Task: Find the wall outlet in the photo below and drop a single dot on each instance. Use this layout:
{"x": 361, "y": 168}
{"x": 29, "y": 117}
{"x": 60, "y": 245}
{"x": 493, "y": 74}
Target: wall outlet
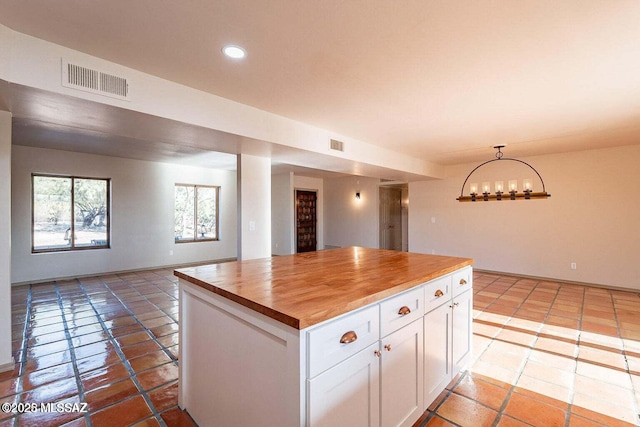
{"x": 574, "y": 266}
{"x": 170, "y": 253}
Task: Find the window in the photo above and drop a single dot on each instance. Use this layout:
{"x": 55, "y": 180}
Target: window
{"x": 196, "y": 213}
{"x": 69, "y": 213}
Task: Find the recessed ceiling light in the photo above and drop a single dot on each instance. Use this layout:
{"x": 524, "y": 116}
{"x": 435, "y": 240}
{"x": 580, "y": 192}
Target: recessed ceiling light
{"x": 235, "y": 52}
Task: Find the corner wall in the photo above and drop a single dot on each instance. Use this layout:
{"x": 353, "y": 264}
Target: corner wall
{"x": 282, "y": 222}
{"x": 6, "y": 360}
{"x": 591, "y": 219}
{"x": 142, "y": 215}
{"x": 254, "y": 207}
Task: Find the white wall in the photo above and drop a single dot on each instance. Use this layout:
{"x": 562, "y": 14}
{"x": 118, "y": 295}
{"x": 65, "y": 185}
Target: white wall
{"x": 254, "y": 207}
{"x": 282, "y": 214}
{"x": 6, "y": 361}
{"x": 347, "y": 221}
{"x": 591, "y": 218}
{"x": 142, "y": 215}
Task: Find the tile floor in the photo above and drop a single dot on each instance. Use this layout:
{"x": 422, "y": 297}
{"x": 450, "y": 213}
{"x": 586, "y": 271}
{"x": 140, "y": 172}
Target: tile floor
{"x": 110, "y": 342}
{"x": 545, "y": 354}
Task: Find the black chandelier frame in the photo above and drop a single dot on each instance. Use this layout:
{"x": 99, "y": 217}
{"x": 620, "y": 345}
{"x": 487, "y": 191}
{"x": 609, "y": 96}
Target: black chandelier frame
{"x": 511, "y": 195}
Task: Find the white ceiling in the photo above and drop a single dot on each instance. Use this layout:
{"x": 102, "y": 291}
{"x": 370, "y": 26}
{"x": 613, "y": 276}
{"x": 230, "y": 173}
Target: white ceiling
{"x": 440, "y": 80}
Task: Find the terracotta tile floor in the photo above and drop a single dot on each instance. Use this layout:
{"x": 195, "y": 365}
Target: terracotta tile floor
{"x": 110, "y": 342}
{"x": 545, "y": 354}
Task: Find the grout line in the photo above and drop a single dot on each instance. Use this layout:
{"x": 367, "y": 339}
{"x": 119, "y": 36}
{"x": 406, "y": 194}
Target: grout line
{"x": 125, "y": 360}
{"x": 636, "y": 404}
{"x": 544, "y": 322}
{"x": 23, "y": 355}
{"x": 173, "y": 358}
{"x": 511, "y": 390}
{"x": 572, "y": 390}
{"x": 72, "y": 353}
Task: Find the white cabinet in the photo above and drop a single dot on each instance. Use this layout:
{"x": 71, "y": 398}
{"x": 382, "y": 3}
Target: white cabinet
{"x": 378, "y": 366}
{"x": 401, "y": 376}
{"x": 347, "y": 394}
{"x": 447, "y": 340}
{"x": 437, "y": 369}
{"x": 461, "y": 331}
{"x": 380, "y": 385}
{"x": 337, "y": 340}
{"x": 401, "y": 310}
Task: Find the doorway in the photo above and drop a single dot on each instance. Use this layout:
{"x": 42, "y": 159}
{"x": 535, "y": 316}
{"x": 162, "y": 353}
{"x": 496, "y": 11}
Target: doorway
{"x": 392, "y": 219}
{"x": 306, "y": 214}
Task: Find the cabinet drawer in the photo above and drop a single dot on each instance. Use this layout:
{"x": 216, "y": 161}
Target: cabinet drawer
{"x": 462, "y": 280}
{"x": 401, "y": 310}
{"x": 437, "y": 292}
{"x": 357, "y": 330}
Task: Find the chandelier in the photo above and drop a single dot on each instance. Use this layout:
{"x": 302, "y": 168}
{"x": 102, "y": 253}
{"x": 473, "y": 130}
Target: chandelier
{"x": 499, "y": 189}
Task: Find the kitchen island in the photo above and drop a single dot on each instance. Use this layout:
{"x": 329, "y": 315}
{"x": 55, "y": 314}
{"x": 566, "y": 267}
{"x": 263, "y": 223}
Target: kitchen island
{"x": 334, "y": 337}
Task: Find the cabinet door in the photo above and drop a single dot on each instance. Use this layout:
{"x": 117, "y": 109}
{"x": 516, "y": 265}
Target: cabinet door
{"x": 461, "y": 331}
{"x": 402, "y": 376}
{"x": 437, "y": 365}
{"x": 348, "y": 394}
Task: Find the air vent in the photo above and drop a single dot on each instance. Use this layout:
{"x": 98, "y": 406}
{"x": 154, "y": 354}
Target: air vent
{"x": 94, "y": 81}
{"x": 337, "y": 145}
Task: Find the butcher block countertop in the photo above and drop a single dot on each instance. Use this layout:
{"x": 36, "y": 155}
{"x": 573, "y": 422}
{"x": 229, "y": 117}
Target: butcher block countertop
{"x": 304, "y": 289}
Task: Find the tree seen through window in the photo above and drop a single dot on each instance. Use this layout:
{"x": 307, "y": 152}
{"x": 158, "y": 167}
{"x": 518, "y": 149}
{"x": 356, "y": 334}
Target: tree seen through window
{"x": 196, "y": 213}
{"x": 69, "y": 213}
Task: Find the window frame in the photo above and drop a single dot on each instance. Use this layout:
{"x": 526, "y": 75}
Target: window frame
{"x": 72, "y": 247}
{"x": 194, "y": 239}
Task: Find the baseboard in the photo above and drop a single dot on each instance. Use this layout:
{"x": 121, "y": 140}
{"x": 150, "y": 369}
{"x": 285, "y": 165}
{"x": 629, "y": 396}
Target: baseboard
{"x": 8, "y": 366}
{"x": 106, "y": 273}
{"x": 551, "y": 279}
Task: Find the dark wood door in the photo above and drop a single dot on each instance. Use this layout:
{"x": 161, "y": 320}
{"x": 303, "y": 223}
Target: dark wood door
{"x": 306, "y": 205}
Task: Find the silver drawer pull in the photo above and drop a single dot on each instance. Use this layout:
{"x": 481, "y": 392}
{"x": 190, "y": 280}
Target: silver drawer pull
{"x": 463, "y": 282}
{"x": 404, "y": 310}
{"x": 438, "y": 293}
{"x": 348, "y": 337}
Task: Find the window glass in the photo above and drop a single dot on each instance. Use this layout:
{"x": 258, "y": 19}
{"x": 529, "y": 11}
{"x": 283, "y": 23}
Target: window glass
{"x": 69, "y": 213}
{"x": 90, "y": 212}
{"x": 185, "y": 209}
{"x": 207, "y": 212}
{"x": 51, "y": 212}
{"x": 196, "y": 213}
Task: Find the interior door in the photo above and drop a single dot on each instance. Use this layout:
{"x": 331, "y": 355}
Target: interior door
{"x": 391, "y": 218}
{"x": 306, "y": 214}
